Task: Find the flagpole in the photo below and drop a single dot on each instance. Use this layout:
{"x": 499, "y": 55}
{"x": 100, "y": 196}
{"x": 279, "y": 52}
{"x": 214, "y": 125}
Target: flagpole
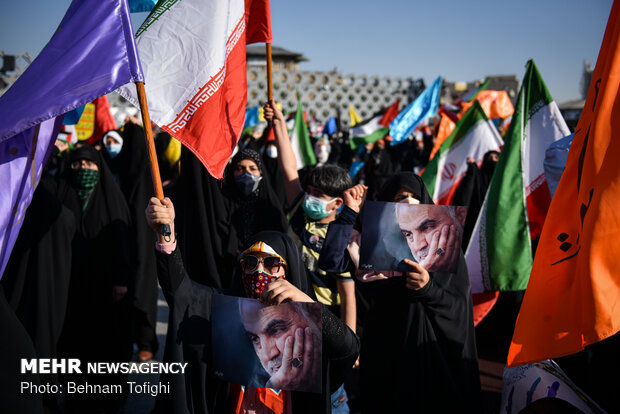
{"x": 150, "y": 145}
{"x": 269, "y": 73}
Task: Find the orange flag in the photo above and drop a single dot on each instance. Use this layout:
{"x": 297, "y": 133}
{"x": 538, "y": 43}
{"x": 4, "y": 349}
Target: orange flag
{"x": 496, "y": 104}
{"x": 445, "y": 128}
{"x": 573, "y": 296}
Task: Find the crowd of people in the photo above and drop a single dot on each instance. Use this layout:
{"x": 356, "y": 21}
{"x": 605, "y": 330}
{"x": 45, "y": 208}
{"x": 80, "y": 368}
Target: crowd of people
{"x": 83, "y": 276}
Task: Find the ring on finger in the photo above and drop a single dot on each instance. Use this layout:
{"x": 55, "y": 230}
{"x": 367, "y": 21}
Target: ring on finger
{"x": 297, "y": 362}
{"x": 440, "y": 252}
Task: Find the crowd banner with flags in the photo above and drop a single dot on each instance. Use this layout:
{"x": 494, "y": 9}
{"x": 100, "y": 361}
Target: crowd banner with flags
{"x": 444, "y": 130}
{"x": 251, "y": 117}
{"x": 104, "y": 121}
{"x": 91, "y": 54}
{"x": 473, "y": 136}
{"x": 193, "y": 53}
{"x": 354, "y": 118}
{"x": 572, "y": 298}
{"x": 424, "y": 106}
{"x": 499, "y": 255}
{"x": 496, "y": 104}
{"x": 300, "y": 140}
{"x": 375, "y": 128}
{"x": 331, "y": 126}
{"x": 140, "y": 6}
{"x": 471, "y": 95}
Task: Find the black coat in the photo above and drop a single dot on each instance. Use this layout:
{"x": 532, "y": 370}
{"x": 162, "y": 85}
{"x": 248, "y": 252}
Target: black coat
{"x": 189, "y": 336}
{"x": 418, "y": 349}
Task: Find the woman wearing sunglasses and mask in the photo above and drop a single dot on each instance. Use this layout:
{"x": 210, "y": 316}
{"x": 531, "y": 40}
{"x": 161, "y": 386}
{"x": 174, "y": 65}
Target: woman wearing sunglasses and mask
{"x": 270, "y": 269}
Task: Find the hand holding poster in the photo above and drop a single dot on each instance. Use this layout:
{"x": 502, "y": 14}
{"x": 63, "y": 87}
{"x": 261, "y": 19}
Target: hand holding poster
{"x": 267, "y": 346}
{"x": 428, "y": 234}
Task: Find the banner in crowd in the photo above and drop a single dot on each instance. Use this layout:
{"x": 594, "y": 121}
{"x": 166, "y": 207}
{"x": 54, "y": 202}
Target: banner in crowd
{"x": 544, "y": 385}
{"x": 571, "y": 300}
{"x": 300, "y": 139}
{"x": 427, "y": 234}
{"x": 90, "y": 54}
{"x": 250, "y": 343}
{"x": 473, "y": 136}
{"x": 193, "y": 54}
{"x": 499, "y": 255}
{"x": 424, "y": 106}
{"x": 375, "y": 128}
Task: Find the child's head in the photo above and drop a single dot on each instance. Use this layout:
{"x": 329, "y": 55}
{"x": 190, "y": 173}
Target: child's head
{"x": 329, "y": 179}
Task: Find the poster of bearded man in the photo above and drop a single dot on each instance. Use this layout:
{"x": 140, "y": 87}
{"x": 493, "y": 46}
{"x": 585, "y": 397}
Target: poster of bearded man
{"x": 428, "y": 234}
{"x": 267, "y": 346}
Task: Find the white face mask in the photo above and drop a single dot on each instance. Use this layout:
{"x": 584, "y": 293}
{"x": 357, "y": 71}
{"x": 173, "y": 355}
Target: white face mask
{"x": 322, "y": 153}
{"x": 272, "y": 151}
{"x": 409, "y": 200}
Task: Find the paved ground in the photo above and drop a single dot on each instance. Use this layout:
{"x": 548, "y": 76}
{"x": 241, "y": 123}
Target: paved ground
{"x": 141, "y": 403}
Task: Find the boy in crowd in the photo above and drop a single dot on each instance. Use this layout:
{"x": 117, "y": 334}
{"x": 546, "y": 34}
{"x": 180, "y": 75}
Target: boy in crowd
{"x": 310, "y": 213}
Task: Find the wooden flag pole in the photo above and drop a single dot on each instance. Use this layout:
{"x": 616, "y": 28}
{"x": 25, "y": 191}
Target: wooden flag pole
{"x": 150, "y": 143}
{"x": 269, "y": 73}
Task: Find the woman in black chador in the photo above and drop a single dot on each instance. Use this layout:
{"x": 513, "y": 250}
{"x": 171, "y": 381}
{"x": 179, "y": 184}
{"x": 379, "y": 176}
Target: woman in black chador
{"x": 98, "y": 323}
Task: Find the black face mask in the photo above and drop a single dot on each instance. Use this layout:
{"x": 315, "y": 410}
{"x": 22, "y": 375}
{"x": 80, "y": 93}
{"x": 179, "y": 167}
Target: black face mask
{"x": 247, "y": 183}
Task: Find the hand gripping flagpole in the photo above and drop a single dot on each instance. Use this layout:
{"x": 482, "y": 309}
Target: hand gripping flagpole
{"x": 150, "y": 144}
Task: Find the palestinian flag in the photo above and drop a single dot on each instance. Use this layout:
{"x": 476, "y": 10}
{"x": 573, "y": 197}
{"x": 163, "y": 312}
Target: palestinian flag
{"x": 193, "y": 55}
{"x": 499, "y": 255}
{"x": 473, "y": 136}
{"x": 375, "y": 128}
{"x": 300, "y": 140}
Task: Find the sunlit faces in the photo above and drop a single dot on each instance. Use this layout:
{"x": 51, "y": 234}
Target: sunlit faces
{"x": 269, "y": 327}
{"x": 111, "y": 140}
{"x": 263, "y": 262}
{"x": 332, "y": 202}
{"x": 247, "y": 165}
{"x": 84, "y": 164}
{"x": 403, "y": 195}
{"x": 420, "y": 224}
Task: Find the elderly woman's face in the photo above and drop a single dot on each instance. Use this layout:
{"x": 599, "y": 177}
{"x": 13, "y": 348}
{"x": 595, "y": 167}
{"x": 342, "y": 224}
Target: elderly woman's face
{"x": 247, "y": 165}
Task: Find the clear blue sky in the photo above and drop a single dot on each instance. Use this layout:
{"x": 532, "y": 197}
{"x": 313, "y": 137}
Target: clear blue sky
{"x": 456, "y": 39}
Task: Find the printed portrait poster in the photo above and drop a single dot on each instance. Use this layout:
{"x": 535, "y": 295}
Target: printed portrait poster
{"x": 425, "y": 233}
{"x": 545, "y": 386}
{"x": 267, "y": 346}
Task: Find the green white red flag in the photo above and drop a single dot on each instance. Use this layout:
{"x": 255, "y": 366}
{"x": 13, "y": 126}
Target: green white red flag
{"x": 499, "y": 255}
{"x": 300, "y": 140}
{"x": 473, "y": 136}
{"x": 193, "y": 55}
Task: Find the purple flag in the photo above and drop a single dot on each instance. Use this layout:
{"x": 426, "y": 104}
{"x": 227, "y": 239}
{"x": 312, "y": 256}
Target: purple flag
{"x": 92, "y": 53}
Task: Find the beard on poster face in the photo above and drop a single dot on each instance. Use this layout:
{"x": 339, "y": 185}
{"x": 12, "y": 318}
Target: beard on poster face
{"x": 269, "y": 327}
{"x": 420, "y": 224}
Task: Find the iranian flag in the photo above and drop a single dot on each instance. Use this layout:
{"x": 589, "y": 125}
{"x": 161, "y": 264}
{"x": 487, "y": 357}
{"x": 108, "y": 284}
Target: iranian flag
{"x": 300, "y": 140}
{"x": 473, "y": 136}
{"x": 193, "y": 55}
{"x": 499, "y": 255}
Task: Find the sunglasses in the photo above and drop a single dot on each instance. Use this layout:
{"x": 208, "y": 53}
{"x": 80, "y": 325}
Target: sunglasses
{"x": 271, "y": 264}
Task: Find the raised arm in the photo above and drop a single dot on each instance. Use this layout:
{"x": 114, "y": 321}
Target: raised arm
{"x": 286, "y": 156}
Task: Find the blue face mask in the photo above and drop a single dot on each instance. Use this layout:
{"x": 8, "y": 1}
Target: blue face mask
{"x": 113, "y": 149}
{"x": 247, "y": 183}
{"x": 315, "y": 208}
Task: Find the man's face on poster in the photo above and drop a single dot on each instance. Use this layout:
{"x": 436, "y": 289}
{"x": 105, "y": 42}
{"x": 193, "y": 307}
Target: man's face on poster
{"x": 269, "y": 327}
{"x": 433, "y": 233}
